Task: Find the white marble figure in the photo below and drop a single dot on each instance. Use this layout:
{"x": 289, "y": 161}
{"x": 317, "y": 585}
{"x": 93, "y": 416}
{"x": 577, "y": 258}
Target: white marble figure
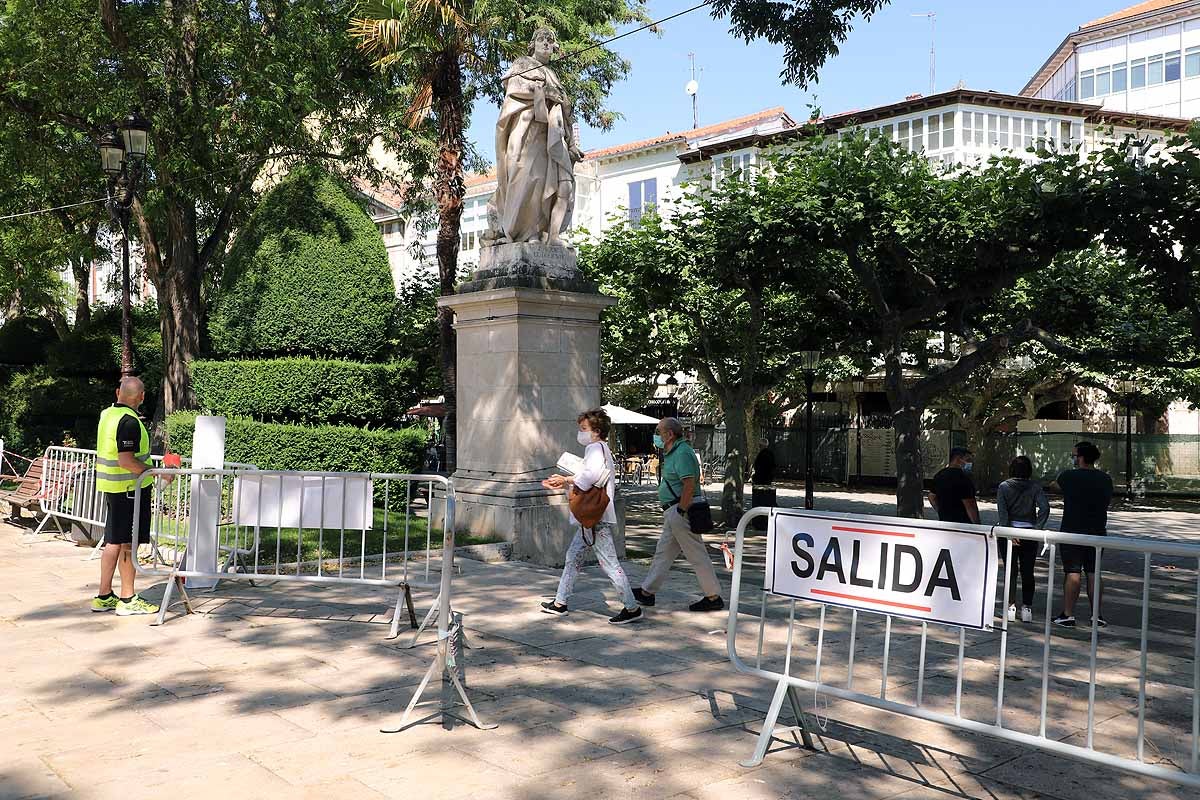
{"x": 535, "y": 151}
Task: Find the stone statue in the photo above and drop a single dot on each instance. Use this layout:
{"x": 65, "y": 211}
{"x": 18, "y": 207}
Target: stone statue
{"x": 535, "y": 152}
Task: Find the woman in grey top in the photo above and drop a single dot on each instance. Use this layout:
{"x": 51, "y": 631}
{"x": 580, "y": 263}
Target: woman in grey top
{"x": 1021, "y": 503}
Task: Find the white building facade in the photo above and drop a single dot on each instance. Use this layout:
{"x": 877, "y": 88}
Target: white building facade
{"x": 1145, "y": 59}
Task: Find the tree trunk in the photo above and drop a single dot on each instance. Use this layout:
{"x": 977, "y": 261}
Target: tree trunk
{"x": 82, "y": 271}
{"x": 177, "y": 274}
{"x": 906, "y": 421}
{"x": 449, "y": 189}
{"x": 735, "y": 408}
{"x": 989, "y": 469}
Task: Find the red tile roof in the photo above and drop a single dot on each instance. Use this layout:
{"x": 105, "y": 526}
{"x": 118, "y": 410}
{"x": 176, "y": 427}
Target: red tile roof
{"x": 1133, "y": 11}
{"x": 390, "y": 194}
{"x": 684, "y": 136}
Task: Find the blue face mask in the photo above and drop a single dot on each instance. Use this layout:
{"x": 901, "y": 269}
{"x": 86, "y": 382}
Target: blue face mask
{"x": 967, "y": 467}
{"x": 658, "y": 442}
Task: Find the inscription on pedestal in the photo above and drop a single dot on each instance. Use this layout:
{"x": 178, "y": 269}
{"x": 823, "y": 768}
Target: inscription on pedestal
{"x": 527, "y": 265}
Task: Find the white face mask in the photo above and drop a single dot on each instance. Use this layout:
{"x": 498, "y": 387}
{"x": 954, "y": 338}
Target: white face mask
{"x": 584, "y": 437}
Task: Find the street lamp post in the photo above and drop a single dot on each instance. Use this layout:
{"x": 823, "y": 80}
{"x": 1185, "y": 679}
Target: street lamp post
{"x": 860, "y": 386}
{"x": 809, "y": 360}
{"x": 123, "y": 156}
{"x": 1128, "y": 388}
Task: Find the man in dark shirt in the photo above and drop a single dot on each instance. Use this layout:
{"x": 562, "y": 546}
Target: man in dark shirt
{"x": 1086, "y": 494}
{"x": 764, "y": 465}
{"x": 953, "y": 494}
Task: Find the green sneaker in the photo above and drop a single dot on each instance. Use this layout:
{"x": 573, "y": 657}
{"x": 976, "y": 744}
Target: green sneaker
{"x": 104, "y": 603}
{"x": 136, "y": 605}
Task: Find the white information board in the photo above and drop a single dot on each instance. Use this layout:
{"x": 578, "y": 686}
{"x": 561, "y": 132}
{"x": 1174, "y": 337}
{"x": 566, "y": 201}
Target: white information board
{"x": 303, "y": 501}
{"x": 943, "y": 574}
{"x": 208, "y": 452}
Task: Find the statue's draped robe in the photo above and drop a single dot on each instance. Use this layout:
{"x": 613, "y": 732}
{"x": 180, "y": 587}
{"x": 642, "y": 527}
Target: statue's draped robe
{"x": 532, "y": 155}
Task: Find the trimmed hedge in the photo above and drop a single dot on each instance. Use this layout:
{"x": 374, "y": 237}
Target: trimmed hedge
{"x": 324, "y": 448}
{"x": 41, "y": 408}
{"x": 25, "y": 340}
{"x": 308, "y": 275}
{"x": 307, "y": 390}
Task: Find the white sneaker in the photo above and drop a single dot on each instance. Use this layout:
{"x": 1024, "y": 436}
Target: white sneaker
{"x": 1026, "y": 614}
{"x": 1012, "y": 613}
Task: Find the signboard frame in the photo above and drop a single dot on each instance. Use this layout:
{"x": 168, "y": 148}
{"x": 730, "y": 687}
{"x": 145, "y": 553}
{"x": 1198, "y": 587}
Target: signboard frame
{"x": 977, "y": 542}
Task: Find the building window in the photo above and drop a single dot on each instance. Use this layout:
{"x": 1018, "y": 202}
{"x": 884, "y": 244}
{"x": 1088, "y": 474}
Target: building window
{"x": 1172, "y": 66}
{"x": 948, "y": 129}
{"x": 1003, "y": 139}
{"x": 1103, "y": 81}
{"x": 1154, "y": 70}
{"x": 1137, "y": 73}
{"x": 933, "y": 126}
{"x": 643, "y": 195}
{"x": 467, "y": 241}
{"x": 734, "y": 166}
{"x": 1118, "y": 78}
{"x": 902, "y": 135}
{"x": 1087, "y": 84}
{"x": 1191, "y": 62}
{"x": 918, "y": 135}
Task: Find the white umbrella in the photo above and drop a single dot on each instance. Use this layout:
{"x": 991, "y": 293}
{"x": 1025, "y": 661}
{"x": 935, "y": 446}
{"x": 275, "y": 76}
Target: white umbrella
{"x": 623, "y": 416}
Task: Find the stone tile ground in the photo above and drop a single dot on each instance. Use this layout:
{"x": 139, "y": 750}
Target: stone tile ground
{"x": 281, "y": 692}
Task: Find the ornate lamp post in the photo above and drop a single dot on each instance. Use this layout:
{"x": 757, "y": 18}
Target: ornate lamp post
{"x": 860, "y": 386}
{"x": 1129, "y": 389}
{"x": 809, "y": 359}
{"x": 123, "y": 158}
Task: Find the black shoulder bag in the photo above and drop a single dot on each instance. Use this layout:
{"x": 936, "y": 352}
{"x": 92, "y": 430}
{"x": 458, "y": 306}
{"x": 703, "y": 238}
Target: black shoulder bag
{"x": 699, "y": 515}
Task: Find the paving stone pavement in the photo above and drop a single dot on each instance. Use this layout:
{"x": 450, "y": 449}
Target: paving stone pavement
{"x": 281, "y": 692}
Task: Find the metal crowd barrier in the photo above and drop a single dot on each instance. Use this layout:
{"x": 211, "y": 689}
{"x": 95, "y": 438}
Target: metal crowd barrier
{"x": 345, "y": 528}
{"x": 829, "y": 637}
{"x": 69, "y": 488}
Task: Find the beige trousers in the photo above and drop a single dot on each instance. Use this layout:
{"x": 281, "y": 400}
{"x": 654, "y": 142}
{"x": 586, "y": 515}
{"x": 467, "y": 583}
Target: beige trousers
{"x": 676, "y": 538}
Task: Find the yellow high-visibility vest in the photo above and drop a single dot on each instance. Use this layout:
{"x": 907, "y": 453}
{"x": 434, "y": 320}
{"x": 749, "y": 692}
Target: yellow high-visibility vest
{"x": 110, "y": 476}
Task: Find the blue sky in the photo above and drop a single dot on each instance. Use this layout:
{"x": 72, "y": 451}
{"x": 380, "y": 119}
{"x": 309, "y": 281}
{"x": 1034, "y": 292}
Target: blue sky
{"x": 989, "y": 44}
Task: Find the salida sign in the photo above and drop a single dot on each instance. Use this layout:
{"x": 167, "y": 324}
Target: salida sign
{"x": 936, "y": 574}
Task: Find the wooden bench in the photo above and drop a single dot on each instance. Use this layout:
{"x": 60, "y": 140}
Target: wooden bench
{"x": 29, "y": 493}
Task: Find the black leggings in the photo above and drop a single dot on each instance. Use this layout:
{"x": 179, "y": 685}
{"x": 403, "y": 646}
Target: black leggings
{"x": 1025, "y": 553}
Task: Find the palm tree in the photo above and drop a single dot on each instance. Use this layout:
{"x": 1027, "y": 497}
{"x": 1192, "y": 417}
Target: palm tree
{"x": 437, "y": 42}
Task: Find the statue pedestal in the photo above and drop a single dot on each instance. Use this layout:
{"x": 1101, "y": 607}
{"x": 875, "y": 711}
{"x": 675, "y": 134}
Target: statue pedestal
{"x": 528, "y": 364}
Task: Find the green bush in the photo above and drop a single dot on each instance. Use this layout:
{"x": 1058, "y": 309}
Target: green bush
{"x": 323, "y": 448}
{"x": 307, "y": 390}
{"x": 25, "y": 340}
{"x": 42, "y": 408}
{"x": 308, "y": 275}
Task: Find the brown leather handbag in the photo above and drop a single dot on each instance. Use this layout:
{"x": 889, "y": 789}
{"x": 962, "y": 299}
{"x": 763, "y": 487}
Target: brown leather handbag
{"x": 588, "y": 506}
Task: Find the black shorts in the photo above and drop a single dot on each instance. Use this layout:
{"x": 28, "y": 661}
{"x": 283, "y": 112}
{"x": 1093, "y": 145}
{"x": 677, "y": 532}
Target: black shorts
{"x": 118, "y": 528}
{"x": 1078, "y": 558}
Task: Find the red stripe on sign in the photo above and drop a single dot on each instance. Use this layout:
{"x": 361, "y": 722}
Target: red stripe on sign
{"x": 870, "y": 600}
{"x": 877, "y": 533}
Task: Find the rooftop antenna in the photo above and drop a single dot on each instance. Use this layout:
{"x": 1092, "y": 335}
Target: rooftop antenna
{"x": 693, "y": 89}
{"x": 932, "y": 17}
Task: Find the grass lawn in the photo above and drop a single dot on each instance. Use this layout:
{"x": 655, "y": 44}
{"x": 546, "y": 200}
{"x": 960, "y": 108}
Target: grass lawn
{"x": 279, "y": 545}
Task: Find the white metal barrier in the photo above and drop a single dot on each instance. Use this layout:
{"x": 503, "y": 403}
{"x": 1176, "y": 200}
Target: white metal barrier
{"x": 343, "y": 528}
{"x": 932, "y": 634}
{"x": 68, "y": 490}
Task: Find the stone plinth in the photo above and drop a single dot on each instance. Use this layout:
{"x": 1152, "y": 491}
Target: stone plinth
{"x": 527, "y": 265}
{"x": 528, "y": 364}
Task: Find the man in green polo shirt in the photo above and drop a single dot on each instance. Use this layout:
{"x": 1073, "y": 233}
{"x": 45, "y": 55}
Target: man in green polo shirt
{"x": 680, "y": 478}
{"x": 122, "y": 455}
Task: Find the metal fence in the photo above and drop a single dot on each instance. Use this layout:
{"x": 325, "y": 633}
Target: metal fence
{"x": 347, "y": 528}
{"x": 1161, "y": 462}
{"x": 824, "y": 641}
{"x": 68, "y": 490}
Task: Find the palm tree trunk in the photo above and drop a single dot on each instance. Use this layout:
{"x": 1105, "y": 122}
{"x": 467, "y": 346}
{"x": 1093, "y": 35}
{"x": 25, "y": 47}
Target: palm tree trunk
{"x": 449, "y": 189}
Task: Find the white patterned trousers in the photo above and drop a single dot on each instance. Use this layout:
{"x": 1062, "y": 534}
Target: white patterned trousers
{"x": 606, "y": 554}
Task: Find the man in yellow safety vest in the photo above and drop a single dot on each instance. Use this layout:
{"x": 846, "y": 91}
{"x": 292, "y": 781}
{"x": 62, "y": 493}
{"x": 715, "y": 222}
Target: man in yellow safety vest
{"x": 122, "y": 455}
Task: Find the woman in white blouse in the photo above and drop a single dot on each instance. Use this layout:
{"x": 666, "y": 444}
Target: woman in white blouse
{"x": 598, "y": 466}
